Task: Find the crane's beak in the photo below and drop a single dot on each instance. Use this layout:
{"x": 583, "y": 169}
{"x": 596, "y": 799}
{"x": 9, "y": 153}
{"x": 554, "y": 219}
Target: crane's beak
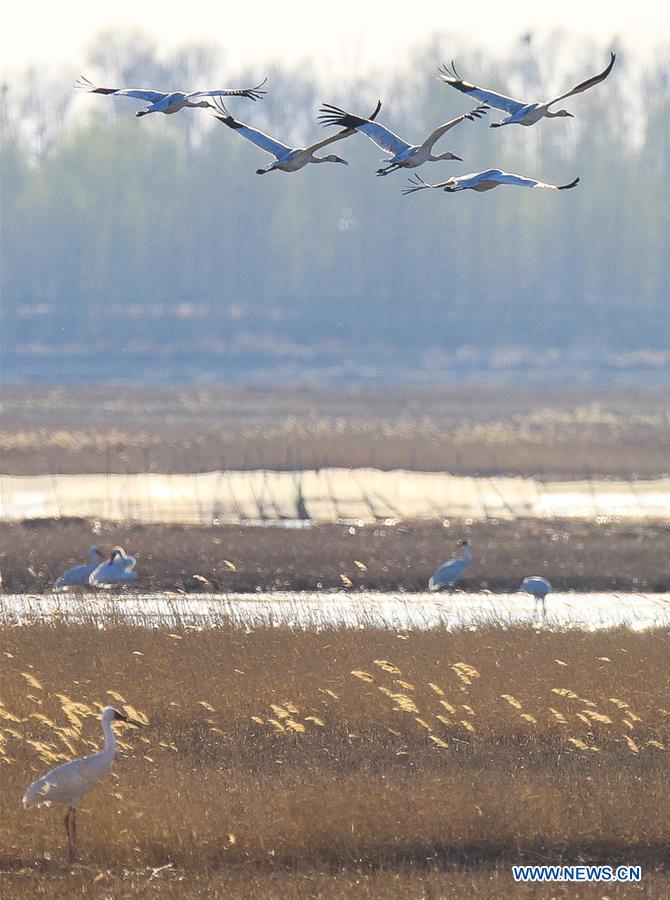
{"x": 125, "y": 718}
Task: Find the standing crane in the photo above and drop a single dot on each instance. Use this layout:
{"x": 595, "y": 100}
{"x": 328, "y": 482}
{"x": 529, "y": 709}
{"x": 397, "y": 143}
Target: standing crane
{"x": 78, "y": 576}
{"x": 446, "y": 575}
{"x": 71, "y": 781}
{"x": 118, "y": 569}
{"x": 539, "y": 587}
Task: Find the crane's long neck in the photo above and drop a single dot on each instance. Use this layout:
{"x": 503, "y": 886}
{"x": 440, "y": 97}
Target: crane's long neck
{"x": 467, "y": 554}
{"x": 109, "y": 749}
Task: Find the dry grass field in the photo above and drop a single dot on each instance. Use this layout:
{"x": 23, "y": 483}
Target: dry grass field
{"x": 556, "y": 433}
{"x": 573, "y": 554}
{"x": 357, "y": 764}
{"x": 280, "y": 764}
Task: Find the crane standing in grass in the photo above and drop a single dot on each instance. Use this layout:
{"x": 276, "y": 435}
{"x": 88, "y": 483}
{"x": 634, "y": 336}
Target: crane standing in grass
{"x": 446, "y": 575}
{"x": 78, "y": 576}
{"x": 539, "y": 587}
{"x": 71, "y": 781}
{"x": 118, "y": 569}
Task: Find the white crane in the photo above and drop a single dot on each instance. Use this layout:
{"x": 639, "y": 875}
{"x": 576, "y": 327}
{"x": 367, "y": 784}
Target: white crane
{"x": 78, "y": 575}
{"x": 446, "y": 575}
{"x": 118, "y": 569}
{"x": 405, "y": 155}
{"x": 520, "y": 113}
{"x": 539, "y": 587}
{"x": 172, "y": 102}
{"x": 483, "y": 181}
{"x": 71, "y": 781}
{"x": 287, "y": 159}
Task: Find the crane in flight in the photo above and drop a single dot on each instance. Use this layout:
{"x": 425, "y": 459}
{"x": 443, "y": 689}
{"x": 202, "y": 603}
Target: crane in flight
{"x": 520, "y": 112}
{"x": 483, "y": 181}
{"x": 404, "y": 155}
{"x": 286, "y": 159}
{"x": 170, "y": 103}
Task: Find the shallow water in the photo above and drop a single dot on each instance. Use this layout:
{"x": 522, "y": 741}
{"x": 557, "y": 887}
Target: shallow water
{"x": 313, "y": 610}
{"x": 326, "y": 495}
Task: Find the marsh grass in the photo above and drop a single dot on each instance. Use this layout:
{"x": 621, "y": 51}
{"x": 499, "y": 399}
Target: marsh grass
{"x": 339, "y": 763}
{"x": 573, "y": 554}
{"x": 465, "y": 430}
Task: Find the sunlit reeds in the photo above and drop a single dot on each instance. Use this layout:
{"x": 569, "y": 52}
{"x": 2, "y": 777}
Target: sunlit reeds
{"x": 278, "y": 751}
{"x": 562, "y": 433}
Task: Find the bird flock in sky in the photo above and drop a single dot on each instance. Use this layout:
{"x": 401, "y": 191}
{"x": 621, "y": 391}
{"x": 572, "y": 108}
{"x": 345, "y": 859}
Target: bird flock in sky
{"x": 403, "y": 155}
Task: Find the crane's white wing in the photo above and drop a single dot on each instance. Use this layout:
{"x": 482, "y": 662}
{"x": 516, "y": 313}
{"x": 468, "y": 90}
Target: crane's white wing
{"x": 137, "y": 94}
{"x": 475, "y": 113}
{"x": 84, "y": 84}
{"x": 378, "y": 134}
{"x": 259, "y": 138}
{"x": 535, "y": 584}
{"x": 75, "y": 575}
{"x": 521, "y": 180}
{"x": 484, "y": 95}
{"x": 254, "y": 93}
{"x": 67, "y": 783}
{"x": 447, "y": 573}
{"x": 331, "y": 140}
{"x": 590, "y": 82}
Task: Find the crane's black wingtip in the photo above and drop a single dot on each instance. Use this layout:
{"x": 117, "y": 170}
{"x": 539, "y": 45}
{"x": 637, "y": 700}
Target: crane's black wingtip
{"x": 566, "y": 187}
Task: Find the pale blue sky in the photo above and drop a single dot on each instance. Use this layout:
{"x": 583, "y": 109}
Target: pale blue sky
{"x": 337, "y": 34}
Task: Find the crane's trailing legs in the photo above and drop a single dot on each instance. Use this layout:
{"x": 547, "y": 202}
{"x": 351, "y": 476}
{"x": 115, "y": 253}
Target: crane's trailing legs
{"x": 392, "y": 167}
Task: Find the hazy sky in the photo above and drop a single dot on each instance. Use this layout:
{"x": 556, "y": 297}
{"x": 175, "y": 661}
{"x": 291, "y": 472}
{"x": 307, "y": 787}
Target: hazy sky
{"x": 340, "y": 34}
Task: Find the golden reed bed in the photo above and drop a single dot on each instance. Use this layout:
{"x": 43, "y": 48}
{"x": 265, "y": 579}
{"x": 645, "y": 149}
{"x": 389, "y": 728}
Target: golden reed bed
{"x": 337, "y": 764}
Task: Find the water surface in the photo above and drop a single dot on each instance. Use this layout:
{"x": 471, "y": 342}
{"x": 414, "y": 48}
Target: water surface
{"x": 314, "y": 610}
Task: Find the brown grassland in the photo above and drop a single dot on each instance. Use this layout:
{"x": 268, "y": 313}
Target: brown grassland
{"x": 559, "y": 433}
{"x": 573, "y": 554}
{"x": 339, "y": 763}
